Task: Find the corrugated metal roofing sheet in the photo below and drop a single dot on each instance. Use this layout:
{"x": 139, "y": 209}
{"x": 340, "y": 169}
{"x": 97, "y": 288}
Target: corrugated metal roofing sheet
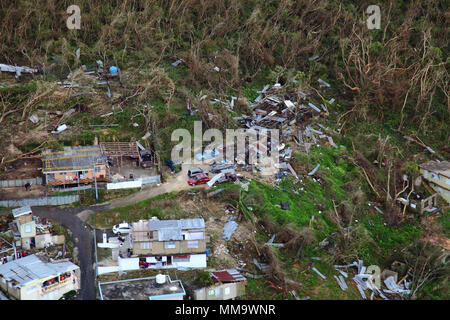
{"x": 83, "y": 157}
{"x": 168, "y": 234}
{"x": 230, "y": 275}
{"x": 21, "y": 211}
{"x": 32, "y": 268}
{"x": 184, "y": 224}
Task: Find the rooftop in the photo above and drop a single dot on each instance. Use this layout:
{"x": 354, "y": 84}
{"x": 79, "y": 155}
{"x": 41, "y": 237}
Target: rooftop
{"x": 73, "y": 158}
{"x": 166, "y": 229}
{"x": 230, "y": 275}
{"x": 21, "y": 211}
{"x": 31, "y": 268}
{"x": 442, "y": 167}
{"x": 140, "y": 289}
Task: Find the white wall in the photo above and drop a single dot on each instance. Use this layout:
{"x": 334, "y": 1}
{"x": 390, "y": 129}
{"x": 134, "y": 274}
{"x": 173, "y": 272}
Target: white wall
{"x": 103, "y": 270}
{"x": 124, "y": 185}
{"x": 128, "y": 263}
{"x": 195, "y": 261}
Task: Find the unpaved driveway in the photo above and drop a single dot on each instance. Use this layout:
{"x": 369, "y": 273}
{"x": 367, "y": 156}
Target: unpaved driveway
{"x": 177, "y": 182}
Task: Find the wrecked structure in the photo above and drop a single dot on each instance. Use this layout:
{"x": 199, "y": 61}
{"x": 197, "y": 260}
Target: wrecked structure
{"x": 438, "y": 175}
{"x": 31, "y": 232}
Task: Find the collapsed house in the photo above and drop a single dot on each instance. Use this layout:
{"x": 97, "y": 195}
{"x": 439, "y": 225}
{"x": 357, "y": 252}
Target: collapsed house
{"x": 438, "y": 175}
{"x": 228, "y": 284}
{"x": 160, "y": 287}
{"x": 25, "y": 230}
{"x": 75, "y": 165}
{"x": 116, "y": 151}
{"x": 36, "y": 278}
{"x": 30, "y": 232}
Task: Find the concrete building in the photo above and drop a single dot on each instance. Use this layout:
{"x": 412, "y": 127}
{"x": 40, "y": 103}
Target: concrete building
{"x": 170, "y": 242}
{"x": 228, "y": 284}
{"x": 29, "y": 233}
{"x": 74, "y": 165}
{"x": 160, "y": 287}
{"x": 438, "y": 176}
{"x": 25, "y": 222}
{"x": 35, "y": 278}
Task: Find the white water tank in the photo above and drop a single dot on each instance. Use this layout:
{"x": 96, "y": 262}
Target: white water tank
{"x": 160, "y": 278}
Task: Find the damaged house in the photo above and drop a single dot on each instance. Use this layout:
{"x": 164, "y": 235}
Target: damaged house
{"x": 23, "y": 226}
{"x": 30, "y": 232}
{"x": 228, "y": 284}
{"x": 438, "y": 176}
{"x": 74, "y": 165}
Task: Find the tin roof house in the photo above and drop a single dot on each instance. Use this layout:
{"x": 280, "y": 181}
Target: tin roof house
{"x": 74, "y": 165}
{"x": 170, "y": 243}
{"x": 228, "y": 284}
{"x": 34, "y": 278}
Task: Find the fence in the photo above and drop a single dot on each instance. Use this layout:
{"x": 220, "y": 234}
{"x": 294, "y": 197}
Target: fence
{"x": 150, "y": 180}
{"x": 135, "y": 183}
{"x": 45, "y": 201}
{"x": 19, "y": 182}
{"x": 80, "y": 188}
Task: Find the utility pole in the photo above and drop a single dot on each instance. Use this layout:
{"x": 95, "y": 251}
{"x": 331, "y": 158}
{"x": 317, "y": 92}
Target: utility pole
{"x": 95, "y": 180}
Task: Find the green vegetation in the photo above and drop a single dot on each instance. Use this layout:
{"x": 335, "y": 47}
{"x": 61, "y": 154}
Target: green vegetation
{"x": 387, "y": 83}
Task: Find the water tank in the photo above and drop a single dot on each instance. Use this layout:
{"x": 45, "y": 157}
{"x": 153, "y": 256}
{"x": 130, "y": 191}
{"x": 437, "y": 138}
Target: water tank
{"x": 160, "y": 278}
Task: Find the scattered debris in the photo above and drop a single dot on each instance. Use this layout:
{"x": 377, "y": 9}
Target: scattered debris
{"x": 318, "y": 272}
{"x": 324, "y": 83}
{"x": 60, "y": 129}
{"x": 17, "y": 70}
{"x": 176, "y": 63}
{"x": 314, "y": 170}
{"x": 34, "y": 118}
{"x": 229, "y": 229}
{"x": 284, "y": 205}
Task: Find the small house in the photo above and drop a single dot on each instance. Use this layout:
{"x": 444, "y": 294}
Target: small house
{"x": 35, "y": 278}
{"x": 75, "y": 165}
{"x": 170, "y": 243}
{"x": 228, "y": 284}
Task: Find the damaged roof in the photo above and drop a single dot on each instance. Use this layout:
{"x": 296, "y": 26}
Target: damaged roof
{"x": 171, "y": 229}
{"x": 31, "y": 268}
{"x": 21, "y": 211}
{"x": 442, "y": 167}
{"x": 72, "y": 158}
{"x": 230, "y": 275}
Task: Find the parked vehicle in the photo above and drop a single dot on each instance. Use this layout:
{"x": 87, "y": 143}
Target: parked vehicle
{"x": 217, "y": 168}
{"x": 192, "y": 172}
{"x": 174, "y": 166}
{"x": 121, "y": 228}
{"x": 200, "y": 178}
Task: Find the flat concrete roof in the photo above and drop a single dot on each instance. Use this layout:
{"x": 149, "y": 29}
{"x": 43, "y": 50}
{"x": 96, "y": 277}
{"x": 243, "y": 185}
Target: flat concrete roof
{"x": 140, "y": 289}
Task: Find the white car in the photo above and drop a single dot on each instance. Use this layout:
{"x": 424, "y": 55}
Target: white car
{"x": 121, "y": 228}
